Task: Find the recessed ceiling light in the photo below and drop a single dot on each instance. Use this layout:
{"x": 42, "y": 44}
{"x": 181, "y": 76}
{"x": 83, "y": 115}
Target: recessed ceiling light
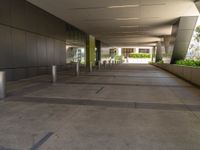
{"x": 115, "y": 6}
{"x": 129, "y": 26}
{"x": 124, "y": 6}
{"x": 126, "y": 18}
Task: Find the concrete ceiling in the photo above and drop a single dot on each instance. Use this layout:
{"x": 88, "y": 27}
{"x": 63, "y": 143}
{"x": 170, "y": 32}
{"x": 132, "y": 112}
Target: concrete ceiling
{"x": 121, "y": 22}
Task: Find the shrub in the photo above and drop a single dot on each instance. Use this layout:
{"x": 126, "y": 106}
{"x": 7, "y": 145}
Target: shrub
{"x": 139, "y": 55}
{"x": 189, "y": 62}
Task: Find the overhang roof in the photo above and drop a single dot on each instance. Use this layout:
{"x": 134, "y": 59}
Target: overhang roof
{"x": 121, "y": 22}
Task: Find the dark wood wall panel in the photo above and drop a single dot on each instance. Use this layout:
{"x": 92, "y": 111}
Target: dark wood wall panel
{"x": 19, "y": 48}
{"x": 5, "y": 11}
{"x": 6, "y": 54}
{"x": 31, "y": 46}
{"x": 31, "y": 40}
{"x": 41, "y": 51}
{"x": 18, "y": 13}
{"x": 57, "y": 52}
{"x": 31, "y": 18}
{"x": 62, "y": 53}
{"x": 50, "y": 52}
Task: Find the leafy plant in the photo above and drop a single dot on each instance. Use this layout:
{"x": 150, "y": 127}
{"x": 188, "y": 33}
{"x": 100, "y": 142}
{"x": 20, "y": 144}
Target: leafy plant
{"x": 194, "y": 49}
{"x": 118, "y": 58}
{"x": 189, "y": 62}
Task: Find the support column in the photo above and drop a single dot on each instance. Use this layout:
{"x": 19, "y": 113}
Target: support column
{"x": 159, "y": 52}
{"x": 137, "y": 50}
{"x": 185, "y": 28}
{"x": 119, "y": 51}
{"x": 153, "y": 54}
{"x": 167, "y": 41}
{"x": 197, "y": 3}
{"x": 90, "y": 51}
{"x": 98, "y": 52}
{"x": 168, "y": 49}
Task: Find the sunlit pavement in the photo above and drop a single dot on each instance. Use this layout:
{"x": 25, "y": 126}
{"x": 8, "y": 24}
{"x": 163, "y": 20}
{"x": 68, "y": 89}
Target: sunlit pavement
{"x": 126, "y": 107}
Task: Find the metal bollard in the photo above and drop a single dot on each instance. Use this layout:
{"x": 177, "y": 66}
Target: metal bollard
{"x": 110, "y": 64}
{"x": 91, "y": 65}
{"x": 104, "y": 64}
{"x": 2, "y": 84}
{"x": 54, "y": 74}
{"x": 77, "y": 68}
{"x": 99, "y": 65}
{"x": 113, "y": 62}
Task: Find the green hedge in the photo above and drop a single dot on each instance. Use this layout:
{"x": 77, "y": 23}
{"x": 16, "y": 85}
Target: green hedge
{"x": 139, "y": 55}
{"x": 189, "y": 62}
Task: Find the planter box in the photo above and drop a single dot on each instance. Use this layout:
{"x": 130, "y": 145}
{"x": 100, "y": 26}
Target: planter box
{"x": 177, "y": 70}
{"x": 190, "y": 74}
{"x": 196, "y": 76}
{"x": 187, "y": 73}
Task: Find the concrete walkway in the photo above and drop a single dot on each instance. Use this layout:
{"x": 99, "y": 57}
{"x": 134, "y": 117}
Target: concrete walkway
{"x": 128, "y": 107}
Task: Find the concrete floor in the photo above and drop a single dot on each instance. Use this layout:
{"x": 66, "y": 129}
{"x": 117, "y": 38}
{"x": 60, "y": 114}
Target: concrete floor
{"x": 128, "y": 107}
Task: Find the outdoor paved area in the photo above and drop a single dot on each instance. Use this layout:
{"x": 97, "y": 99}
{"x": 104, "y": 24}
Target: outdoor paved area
{"x": 127, "y": 107}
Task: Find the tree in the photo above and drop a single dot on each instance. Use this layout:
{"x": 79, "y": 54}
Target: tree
{"x": 197, "y": 34}
{"x": 194, "y": 50}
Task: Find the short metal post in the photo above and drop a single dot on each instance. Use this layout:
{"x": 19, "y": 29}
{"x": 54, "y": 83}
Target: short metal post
{"x": 2, "y": 84}
{"x": 113, "y": 62}
{"x": 99, "y": 65}
{"x": 110, "y": 64}
{"x": 54, "y": 74}
{"x": 77, "y": 68}
{"x": 104, "y": 64}
{"x": 91, "y": 65}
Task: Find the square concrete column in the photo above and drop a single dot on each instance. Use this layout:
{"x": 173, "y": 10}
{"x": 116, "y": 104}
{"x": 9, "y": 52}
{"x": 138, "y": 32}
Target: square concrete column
{"x": 90, "y": 51}
{"x": 159, "y": 52}
{"x": 119, "y": 51}
{"x": 185, "y": 28}
{"x": 98, "y": 51}
{"x": 153, "y": 54}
